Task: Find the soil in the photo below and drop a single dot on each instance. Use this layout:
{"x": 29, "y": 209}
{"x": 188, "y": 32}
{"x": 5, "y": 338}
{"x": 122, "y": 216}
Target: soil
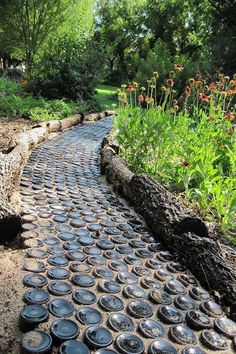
{"x": 11, "y": 285}
{"x": 9, "y": 127}
{"x": 11, "y": 260}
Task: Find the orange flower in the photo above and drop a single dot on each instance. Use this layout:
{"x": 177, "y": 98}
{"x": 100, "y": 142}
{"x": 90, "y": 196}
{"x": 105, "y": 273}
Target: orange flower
{"x": 23, "y": 82}
{"x": 149, "y": 99}
{"x": 141, "y": 98}
{"x": 233, "y": 83}
{"x": 175, "y": 102}
{"x": 204, "y": 98}
{"x": 231, "y": 92}
{"x": 229, "y": 132}
{"x": 212, "y": 86}
{"x": 188, "y": 91}
{"x": 130, "y": 89}
{"x": 229, "y": 116}
{"x": 170, "y": 82}
{"x": 178, "y": 67}
{"x": 197, "y": 83}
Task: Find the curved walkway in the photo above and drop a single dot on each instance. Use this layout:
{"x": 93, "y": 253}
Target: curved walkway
{"x": 95, "y": 273}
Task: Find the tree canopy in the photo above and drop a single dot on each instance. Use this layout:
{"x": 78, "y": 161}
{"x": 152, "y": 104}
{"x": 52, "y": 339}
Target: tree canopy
{"x": 126, "y": 32}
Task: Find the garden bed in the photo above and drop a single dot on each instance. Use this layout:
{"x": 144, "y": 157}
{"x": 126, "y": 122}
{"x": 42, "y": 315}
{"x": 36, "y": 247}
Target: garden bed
{"x": 212, "y": 262}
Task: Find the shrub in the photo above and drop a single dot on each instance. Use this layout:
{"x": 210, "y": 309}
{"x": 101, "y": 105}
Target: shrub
{"x": 70, "y": 71}
{"x": 14, "y": 101}
{"x": 159, "y": 58}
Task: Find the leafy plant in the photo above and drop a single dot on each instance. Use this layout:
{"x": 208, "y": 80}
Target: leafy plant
{"x": 189, "y": 146}
{"x": 67, "y": 70}
{"x": 14, "y": 101}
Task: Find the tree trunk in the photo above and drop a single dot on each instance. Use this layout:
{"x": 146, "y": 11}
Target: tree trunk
{"x": 162, "y": 209}
{"x": 212, "y": 263}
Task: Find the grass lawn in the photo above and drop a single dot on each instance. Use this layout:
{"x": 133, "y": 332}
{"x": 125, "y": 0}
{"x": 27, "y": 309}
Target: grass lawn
{"x": 106, "y": 96}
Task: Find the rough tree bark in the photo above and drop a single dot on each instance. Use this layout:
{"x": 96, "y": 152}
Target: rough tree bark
{"x": 162, "y": 209}
{"x": 212, "y": 263}
{"x": 11, "y": 164}
{"x": 12, "y": 161}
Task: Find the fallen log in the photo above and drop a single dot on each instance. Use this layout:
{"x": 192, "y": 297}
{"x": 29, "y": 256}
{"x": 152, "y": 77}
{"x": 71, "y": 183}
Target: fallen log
{"x": 160, "y": 208}
{"x": 11, "y": 164}
{"x": 163, "y": 210}
{"x": 212, "y": 263}
{"x": 119, "y": 175}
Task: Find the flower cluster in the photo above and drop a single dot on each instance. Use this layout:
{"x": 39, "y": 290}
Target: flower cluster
{"x": 214, "y": 97}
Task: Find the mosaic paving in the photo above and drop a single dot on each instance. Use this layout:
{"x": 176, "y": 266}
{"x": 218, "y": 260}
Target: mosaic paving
{"x": 95, "y": 278}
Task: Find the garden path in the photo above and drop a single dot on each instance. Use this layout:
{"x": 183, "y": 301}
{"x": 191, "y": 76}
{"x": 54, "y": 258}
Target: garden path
{"x": 95, "y": 263}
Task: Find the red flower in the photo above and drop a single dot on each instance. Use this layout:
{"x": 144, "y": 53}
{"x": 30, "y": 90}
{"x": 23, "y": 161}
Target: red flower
{"x": 170, "y": 82}
{"x": 229, "y": 116}
{"x": 130, "y": 89}
{"x": 188, "y": 91}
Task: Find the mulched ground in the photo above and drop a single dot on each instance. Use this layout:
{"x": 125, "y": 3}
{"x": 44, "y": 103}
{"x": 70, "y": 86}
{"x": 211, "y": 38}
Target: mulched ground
{"x": 9, "y": 127}
{"x": 11, "y": 260}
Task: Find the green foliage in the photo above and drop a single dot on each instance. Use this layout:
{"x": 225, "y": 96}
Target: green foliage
{"x": 187, "y": 141}
{"x": 198, "y": 159}
{"x": 160, "y": 59}
{"x": 68, "y": 70}
{"x": 106, "y": 96}
{"x": 131, "y": 33}
{"x": 14, "y": 101}
{"x": 28, "y": 24}
{"x": 8, "y": 87}
{"x": 119, "y": 31}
